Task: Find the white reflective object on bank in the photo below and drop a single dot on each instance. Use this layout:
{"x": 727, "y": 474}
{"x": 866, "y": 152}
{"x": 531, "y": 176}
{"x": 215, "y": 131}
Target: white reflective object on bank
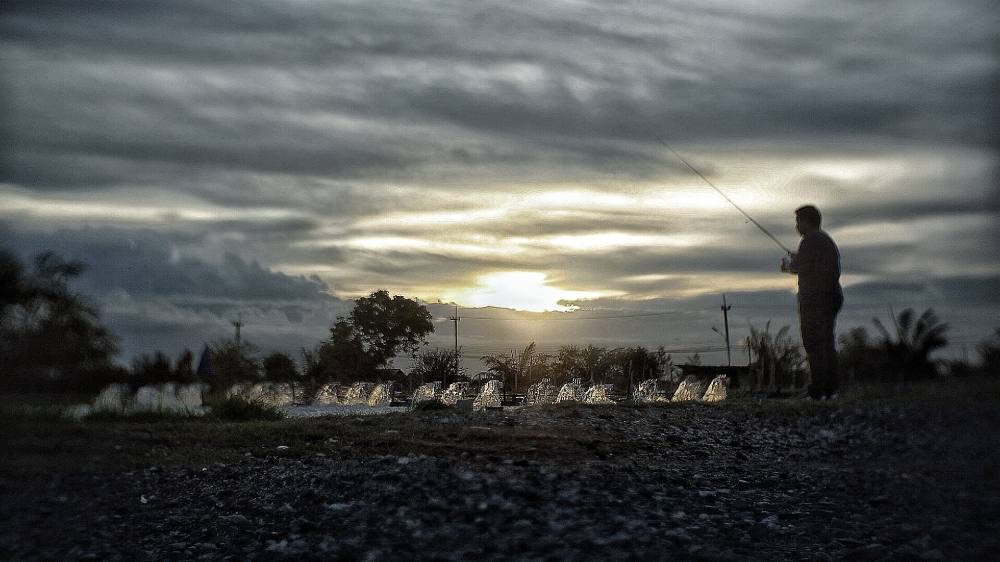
{"x": 490, "y": 396}
{"x": 717, "y": 389}
{"x": 571, "y": 392}
{"x": 599, "y": 394}
{"x": 381, "y": 395}
{"x": 691, "y": 388}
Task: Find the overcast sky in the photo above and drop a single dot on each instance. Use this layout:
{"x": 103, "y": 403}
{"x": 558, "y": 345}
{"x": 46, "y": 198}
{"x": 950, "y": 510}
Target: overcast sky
{"x": 277, "y": 159}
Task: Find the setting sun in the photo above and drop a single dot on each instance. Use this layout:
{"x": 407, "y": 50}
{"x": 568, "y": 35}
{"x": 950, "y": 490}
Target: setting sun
{"x": 521, "y": 290}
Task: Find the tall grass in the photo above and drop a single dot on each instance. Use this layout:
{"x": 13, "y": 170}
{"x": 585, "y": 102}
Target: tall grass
{"x": 778, "y": 362}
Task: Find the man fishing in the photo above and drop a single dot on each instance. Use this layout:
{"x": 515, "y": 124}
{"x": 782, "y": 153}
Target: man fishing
{"x": 817, "y": 264}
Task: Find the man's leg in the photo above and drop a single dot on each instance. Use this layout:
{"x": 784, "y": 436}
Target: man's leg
{"x": 826, "y": 362}
{"x": 811, "y": 342}
{"x": 817, "y": 385}
{"x": 831, "y": 364}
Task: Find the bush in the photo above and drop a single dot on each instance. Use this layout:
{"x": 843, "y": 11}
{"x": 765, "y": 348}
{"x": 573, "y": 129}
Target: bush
{"x": 908, "y": 350}
{"x": 777, "y": 360}
{"x": 378, "y": 328}
{"x": 151, "y": 369}
{"x": 50, "y": 336}
{"x": 234, "y": 362}
{"x": 235, "y": 408}
{"x": 436, "y": 365}
{"x": 989, "y": 354}
{"x": 139, "y": 417}
{"x": 431, "y": 406}
{"x": 900, "y": 354}
{"x": 279, "y": 367}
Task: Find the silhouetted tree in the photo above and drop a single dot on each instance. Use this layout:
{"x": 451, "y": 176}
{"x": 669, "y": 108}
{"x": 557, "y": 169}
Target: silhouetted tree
{"x": 378, "y": 328}
{"x": 234, "y": 363}
{"x": 518, "y": 370}
{"x": 279, "y": 367}
{"x": 908, "y": 350}
{"x": 591, "y": 363}
{"x": 861, "y": 358}
{"x": 693, "y": 360}
{"x": 669, "y": 370}
{"x": 151, "y": 369}
{"x": 13, "y": 283}
{"x": 50, "y": 337}
{"x": 386, "y": 325}
{"x": 568, "y": 365}
{"x": 342, "y": 358}
{"x": 184, "y": 367}
{"x": 503, "y": 365}
{"x": 989, "y": 354}
{"x": 435, "y": 365}
{"x": 310, "y": 365}
{"x": 636, "y": 364}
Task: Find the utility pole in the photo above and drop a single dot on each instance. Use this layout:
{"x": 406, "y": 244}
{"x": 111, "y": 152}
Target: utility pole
{"x": 238, "y": 323}
{"x": 725, "y": 319}
{"x": 455, "y": 319}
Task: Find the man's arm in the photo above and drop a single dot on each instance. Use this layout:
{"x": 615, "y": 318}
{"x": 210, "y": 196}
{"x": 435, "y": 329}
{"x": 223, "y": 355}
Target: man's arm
{"x": 802, "y": 261}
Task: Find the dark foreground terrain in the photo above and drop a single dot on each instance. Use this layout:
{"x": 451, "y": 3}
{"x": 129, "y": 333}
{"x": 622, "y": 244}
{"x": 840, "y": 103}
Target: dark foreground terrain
{"x": 875, "y": 477}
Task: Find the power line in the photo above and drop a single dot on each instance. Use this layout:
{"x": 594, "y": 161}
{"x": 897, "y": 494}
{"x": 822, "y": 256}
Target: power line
{"x": 792, "y": 306}
{"x": 688, "y": 349}
{"x": 636, "y": 315}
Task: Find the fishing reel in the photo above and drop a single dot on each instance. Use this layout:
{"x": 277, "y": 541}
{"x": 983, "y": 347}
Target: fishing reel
{"x": 788, "y": 263}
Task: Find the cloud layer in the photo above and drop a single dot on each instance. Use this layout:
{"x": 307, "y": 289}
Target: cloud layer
{"x": 194, "y": 152}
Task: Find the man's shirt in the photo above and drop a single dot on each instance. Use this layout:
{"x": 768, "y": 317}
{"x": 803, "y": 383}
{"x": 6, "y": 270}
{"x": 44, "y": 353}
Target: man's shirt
{"x": 817, "y": 263}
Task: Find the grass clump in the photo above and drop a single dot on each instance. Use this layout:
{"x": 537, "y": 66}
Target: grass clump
{"x": 141, "y": 417}
{"x": 236, "y": 408}
{"x": 431, "y": 406}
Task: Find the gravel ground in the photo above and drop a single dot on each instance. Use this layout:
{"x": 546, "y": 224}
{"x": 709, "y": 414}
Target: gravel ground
{"x": 310, "y": 411}
{"x": 747, "y": 481}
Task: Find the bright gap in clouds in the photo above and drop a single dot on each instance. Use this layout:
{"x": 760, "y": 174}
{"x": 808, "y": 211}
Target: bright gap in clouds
{"x": 520, "y": 290}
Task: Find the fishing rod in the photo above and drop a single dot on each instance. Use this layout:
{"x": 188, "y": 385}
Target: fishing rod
{"x": 724, "y": 196}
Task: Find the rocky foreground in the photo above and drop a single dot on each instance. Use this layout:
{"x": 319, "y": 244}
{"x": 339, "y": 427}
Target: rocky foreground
{"x": 864, "y": 479}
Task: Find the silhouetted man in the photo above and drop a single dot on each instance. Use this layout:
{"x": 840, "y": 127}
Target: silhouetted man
{"x": 817, "y": 264}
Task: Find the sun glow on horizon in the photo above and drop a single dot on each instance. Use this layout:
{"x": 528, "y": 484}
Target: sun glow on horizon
{"x": 520, "y": 290}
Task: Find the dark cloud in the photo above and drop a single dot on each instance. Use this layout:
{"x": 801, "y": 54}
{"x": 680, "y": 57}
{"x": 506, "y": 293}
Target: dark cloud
{"x": 148, "y": 262}
{"x": 781, "y": 80}
{"x": 155, "y": 297}
{"x": 946, "y": 292}
{"x": 329, "y": 120}
{"x": 890, "y": 211}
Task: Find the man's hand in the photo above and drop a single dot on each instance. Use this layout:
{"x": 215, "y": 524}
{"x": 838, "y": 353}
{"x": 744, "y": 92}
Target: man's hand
{"x": 788, "y": 264}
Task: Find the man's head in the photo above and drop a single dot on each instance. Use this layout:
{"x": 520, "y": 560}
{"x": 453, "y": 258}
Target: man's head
{"x": 807, "y": 219}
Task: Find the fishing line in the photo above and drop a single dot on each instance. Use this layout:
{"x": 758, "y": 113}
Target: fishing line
{"x": 724, "y": 196}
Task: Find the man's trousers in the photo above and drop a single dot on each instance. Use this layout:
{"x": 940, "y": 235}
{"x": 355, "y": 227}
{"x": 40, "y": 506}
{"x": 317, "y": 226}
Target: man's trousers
{"x": 818, "y": 319}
